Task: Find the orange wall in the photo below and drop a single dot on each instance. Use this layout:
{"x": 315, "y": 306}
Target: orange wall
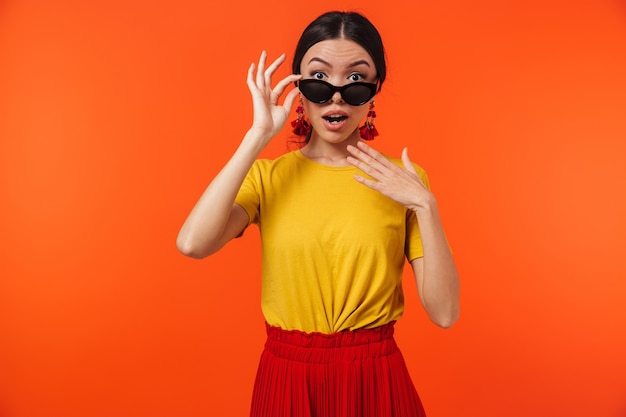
{"x": 114, "y": 117}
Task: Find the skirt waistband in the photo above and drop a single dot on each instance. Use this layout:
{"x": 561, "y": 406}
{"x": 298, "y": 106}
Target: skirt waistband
{"x": 348, "y": 345}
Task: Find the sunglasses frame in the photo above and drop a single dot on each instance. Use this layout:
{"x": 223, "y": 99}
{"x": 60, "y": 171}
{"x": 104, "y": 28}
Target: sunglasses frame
{"x": 371, "y": 86}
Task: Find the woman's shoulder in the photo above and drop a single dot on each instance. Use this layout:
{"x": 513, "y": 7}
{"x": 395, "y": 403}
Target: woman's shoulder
{"x": 286, "y": 158}
{"x": 268, "y": 166}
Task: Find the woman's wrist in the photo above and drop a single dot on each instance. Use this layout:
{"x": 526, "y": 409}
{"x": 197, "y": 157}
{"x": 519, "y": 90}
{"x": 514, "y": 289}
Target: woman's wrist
{"x": 256, "y": 138}
{"x": 425, "y": 208}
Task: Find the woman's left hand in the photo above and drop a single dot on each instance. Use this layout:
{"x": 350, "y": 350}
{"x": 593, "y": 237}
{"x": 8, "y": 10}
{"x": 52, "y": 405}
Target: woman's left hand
{"x": 400, "y": 184}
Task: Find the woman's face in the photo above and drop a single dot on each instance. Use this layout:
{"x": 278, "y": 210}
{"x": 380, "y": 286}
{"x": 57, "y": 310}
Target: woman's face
{"x": 338, "y": 62}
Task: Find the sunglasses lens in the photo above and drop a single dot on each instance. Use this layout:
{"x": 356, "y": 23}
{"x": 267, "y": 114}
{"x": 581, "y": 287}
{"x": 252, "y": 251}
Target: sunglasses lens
{"x": 358, "y": 94}
{"x": 316, "y": 91}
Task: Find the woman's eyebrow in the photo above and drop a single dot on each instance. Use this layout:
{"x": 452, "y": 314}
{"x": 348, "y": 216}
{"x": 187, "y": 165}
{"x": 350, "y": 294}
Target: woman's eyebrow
{"x": 354, "y": 64}
{"x": 316, "y": 59}
{"x": 357, "y": 63}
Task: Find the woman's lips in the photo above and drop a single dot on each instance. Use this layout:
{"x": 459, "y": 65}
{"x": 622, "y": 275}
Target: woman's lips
{"x": 335, "y": 120}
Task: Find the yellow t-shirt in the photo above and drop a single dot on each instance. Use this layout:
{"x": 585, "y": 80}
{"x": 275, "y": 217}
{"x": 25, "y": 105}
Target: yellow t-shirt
{"x": 333, "y": 249}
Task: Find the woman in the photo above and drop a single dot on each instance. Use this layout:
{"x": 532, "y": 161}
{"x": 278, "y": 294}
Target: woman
{"x": 337, "y": 221}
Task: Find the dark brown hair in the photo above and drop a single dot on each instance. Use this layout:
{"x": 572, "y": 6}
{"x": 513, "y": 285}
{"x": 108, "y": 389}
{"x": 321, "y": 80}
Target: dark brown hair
{"x": 343, "y": 25}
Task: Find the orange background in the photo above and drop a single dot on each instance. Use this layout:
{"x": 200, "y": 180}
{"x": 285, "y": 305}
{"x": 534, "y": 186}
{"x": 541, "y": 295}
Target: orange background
{"x": 115, "y": 115}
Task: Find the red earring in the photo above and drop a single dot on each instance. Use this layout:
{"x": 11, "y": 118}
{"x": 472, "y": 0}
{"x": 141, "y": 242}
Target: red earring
{"x": 368, "y": 130}
{"x": 301, "y": 126}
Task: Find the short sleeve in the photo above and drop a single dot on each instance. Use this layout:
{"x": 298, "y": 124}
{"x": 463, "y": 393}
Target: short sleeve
{"x": 248, "y": 196}
{"x": 413, "y": 244}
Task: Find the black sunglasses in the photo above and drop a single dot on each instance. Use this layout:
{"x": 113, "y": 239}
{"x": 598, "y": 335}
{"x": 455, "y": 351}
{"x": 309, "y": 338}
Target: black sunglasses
{"x": 355, "y": 94}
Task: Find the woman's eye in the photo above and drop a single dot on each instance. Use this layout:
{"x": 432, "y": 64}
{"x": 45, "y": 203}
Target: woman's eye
{"x": 318, "y": 75}
{"x": 355, "y": 77}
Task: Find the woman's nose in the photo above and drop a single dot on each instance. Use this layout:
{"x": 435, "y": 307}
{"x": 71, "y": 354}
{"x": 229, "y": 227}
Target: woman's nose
{"x": 336, "y": 98}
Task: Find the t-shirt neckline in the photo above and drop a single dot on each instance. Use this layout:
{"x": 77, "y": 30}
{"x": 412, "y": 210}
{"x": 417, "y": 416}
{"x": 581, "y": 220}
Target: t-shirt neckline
{"x": 319, "y": 165}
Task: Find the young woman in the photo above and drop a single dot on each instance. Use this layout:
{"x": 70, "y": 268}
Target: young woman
{"x": 338, "y": 221}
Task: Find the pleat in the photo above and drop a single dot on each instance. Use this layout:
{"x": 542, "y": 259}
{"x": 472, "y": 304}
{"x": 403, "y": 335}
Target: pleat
{"x": 357, "y": 373}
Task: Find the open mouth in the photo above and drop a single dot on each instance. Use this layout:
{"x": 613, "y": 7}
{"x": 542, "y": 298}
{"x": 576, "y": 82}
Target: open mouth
{"x": 335, "y": 118}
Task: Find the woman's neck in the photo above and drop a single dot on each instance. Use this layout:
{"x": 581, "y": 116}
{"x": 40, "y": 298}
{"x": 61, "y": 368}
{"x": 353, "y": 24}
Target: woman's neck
{"x": 328, "y": 153}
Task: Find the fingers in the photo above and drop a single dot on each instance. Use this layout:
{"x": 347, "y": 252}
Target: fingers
{"x": 290, "y": 99}
{"x": 262, "y": 80}
{"x": 374, "y": 154}
{"x": 366, "y": 155}
{"x": 390, "y": 179}
{"x": 263, "y": 74}
{"x": 361, "y": 160}
{"x": 408, "y": 165}
{"x": 377, "y": 166}
{"x": 372, "y": 184}
{"x": 250, "y": 77}
{"x": 260, "y": 77}
{"x": 363, "y": 166}
{"x": 280, "y": 87}
{"x": 272, "y": 68}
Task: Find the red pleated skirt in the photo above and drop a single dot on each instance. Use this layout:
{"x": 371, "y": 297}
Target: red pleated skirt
{"x": 357, "y": 373}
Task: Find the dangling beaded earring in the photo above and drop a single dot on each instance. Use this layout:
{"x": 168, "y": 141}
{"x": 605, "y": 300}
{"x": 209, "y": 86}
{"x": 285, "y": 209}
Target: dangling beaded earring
{"x": 368, "y": 130}
{"x": 301, "y": 126}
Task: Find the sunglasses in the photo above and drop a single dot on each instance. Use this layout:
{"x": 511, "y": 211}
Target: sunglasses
{"x": 355, "y": 94}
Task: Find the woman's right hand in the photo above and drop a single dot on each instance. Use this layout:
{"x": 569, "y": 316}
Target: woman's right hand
{"x": 269, "y": 116}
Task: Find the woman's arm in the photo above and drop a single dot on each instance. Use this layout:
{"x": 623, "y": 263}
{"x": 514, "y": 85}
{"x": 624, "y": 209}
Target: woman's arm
{"x": 435, "y": 273}
{"x": 215, "y": 219}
